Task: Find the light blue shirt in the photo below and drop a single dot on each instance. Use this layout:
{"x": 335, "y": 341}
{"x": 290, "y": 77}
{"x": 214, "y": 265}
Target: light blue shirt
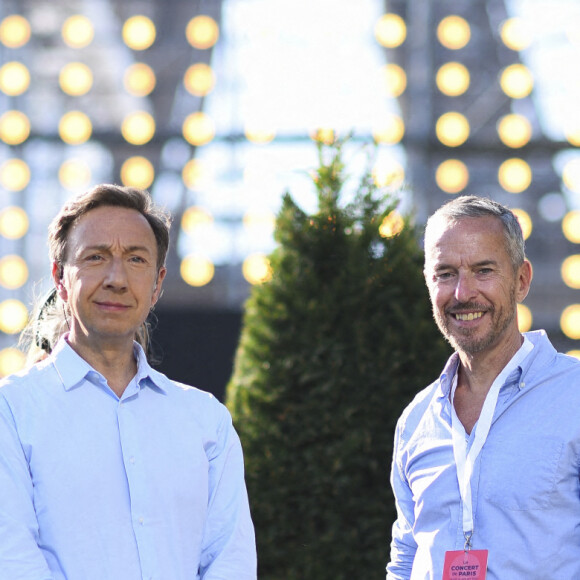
{"x": 525, "y": 483}
{"x": 150, "y": 486}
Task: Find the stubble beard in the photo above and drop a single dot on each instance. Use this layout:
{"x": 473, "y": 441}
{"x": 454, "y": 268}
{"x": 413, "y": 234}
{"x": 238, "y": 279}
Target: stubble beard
{"x": 466, "y": 340}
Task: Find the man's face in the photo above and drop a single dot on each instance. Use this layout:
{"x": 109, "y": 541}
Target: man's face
{"x": 110, "y": 279}
{"x": 472, "y": 284}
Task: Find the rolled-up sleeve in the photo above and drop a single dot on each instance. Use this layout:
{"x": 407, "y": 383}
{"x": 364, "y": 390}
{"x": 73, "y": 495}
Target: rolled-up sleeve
{"x": 403, "y": 545}
{"x": 20, "y": 556}
{"x": 229, "y": 548}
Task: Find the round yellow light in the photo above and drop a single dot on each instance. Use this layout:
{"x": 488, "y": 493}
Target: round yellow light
{"x": 574, "y": 353}
{"x": 452, "y": 129}
{"x": 323, "y": 135}
{"x": 138, "y": 128}
{"x": 13, "y": 316}
{"x": 193, "y": 174}
{"x": 452, "y": 176}
{"x": 14, "y": 174}
{"x": 14, "y": 78}
{"x": 516, "y": 81}
{"x": 199, "y": 79}
{"x": 571, "y": 175}
{"x": 388, "y": 173}
{"x": 256, "y": 269}
{"x": 139, "y": 79}
{"x": 514, "y": 130}
{"x": 524, "y": 318}
{"x": 516, "y": 34}
{"x": 13, "y": 272}
{"x": 12, "y": 360}
{"x": 259, "y": 133}
{"x": 194, "y": 217}
{"x": 515, "y": 175}
{"x": 137, "y": 172}
{"x": 75, "y": 79}
{"x": 202, "y": 32}
{"x": 571, "y": 271}
{"x": 390, "y": 130}
{"x": 392, "y": 225}
{"x": 525, "y": 222}
{"x": 14, "y": 127}
{"x": 454, "y": 32}
{"x": 78, "y": 31}
{"x": 139, "y": 32}
{"x": 198, "y": 129}
{"x": 453, "y": 79}
{"x": 572, "y": 132}
{"x": 75, "y": 128}
{"x": 394, "y": 80}
{"x": 197, "y": 270}
{"x": 570, "y": 321}
{"x": 571, "y": 226}
{"x": 14, "y": 31}
{"x": 74, "y": 174}
{"x": 390, "y": 30}
{"x": 13, "y": 222}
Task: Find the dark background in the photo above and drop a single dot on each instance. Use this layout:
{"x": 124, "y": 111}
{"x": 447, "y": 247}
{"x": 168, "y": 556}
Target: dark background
{"x": 197, "y": 347}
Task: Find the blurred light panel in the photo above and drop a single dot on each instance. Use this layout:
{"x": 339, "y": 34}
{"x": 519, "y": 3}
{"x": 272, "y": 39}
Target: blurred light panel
{"x": 137, "y": 171}
{"x": 202, "y": 32}
{"x": 454, "y": 32}
{"x": 75, "y": 128}
{"x": 453, "y": 79}
{"x": 524, "y": 318}
{"x": 515, "y": 175}
{"x": 139, "y": 32}
{"x": 256, "y": 269}
{"x": 452, "y": 129}
{"x": 197, "y": 270}
{"x": 514, "y": 130}
{"x": 14, "y": 174}
{"x": 76, "y": 79}
{"x": 516, "y": 81}
{"x": 525, "y": 222}
{"x": 78, "y": 31}
{"x": 390, "y": 30}
{"x": 516, "y": 33}
{"x": 12, "y": 360}
{"x": 139, "y": 79}
{"x": 570, "y": 321}
{"x": 452, "y": 176}
{"x": 138, "y": 128}
{"x": 13, "y": 316}
{"x": 13, "y": 222}
{"x": 14, "y": 127}
{"x": 571, "y": 226}
{"x": 14, "y": 31}
{"x": 199, "y": 79}
{"x": 394, "y": 80}
{"x": 14, "y": 78}
{"x": 13, "y": 272}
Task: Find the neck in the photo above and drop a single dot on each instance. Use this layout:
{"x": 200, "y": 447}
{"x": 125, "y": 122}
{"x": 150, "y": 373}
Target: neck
{"x": 115, "y": 362}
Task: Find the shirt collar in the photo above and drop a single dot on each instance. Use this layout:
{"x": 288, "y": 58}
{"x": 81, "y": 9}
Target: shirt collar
{"x": 73, "y": 369}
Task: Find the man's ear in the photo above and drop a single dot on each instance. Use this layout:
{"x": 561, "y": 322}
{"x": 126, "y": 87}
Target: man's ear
{"x": 158, "y": 285}
{"x": 57, "y": 277}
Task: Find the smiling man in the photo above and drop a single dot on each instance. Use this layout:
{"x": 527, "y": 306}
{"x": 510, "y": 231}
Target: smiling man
{"x": 485, "y": 469}
{"x": 108, "y": 469}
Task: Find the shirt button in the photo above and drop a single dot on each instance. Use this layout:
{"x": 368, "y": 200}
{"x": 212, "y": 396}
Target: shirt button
{"x": 522, "y": 385}
{"x": 131, "y": 460}
{"x": 141, "y": 521}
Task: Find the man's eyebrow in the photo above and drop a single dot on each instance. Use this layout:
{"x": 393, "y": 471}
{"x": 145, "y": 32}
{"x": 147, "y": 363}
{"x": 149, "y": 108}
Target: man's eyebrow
{"x": 107, "y": 247}
{"x": 480, "y": 264}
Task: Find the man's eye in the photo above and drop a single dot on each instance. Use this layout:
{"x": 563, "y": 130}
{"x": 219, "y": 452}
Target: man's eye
{"x": 443, "y": 276}
{"x": 138, "y": 259}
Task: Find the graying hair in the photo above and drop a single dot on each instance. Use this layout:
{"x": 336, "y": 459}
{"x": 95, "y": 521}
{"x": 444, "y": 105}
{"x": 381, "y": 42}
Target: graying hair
{"x": 475, "y": 207}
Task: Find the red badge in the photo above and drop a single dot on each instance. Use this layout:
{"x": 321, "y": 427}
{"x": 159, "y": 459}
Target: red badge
{"x": 471, "y": 565}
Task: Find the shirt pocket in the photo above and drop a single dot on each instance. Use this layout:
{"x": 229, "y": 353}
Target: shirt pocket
{"x": 520, "y": 472}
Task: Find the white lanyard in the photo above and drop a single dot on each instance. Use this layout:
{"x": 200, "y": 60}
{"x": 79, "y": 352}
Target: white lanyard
{"x": 466, "y": 461}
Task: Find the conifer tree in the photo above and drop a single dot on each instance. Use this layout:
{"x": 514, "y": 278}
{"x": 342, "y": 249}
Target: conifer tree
{"x": 332, "y": 348}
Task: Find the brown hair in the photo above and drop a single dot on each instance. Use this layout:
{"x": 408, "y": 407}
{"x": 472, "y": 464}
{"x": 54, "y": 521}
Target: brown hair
{"x": 108, "y": 195}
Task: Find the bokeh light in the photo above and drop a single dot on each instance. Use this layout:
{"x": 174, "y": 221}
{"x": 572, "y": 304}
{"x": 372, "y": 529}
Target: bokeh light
{"x": 392, "y": 225}
{"x": 388, "y": 173}
{"x": 137, "y": 172}
{"x": 516, "y": 81}
{"x": 14, "y": 127}
{"x": 452, "y": 129}
{"x": 139, "y": 79}
{"x": 14, "y": 78}
{"x": 139, "y": 32}
{"x": 515, "y": 175}
{"x": 13, "y": 272}
{"x": 571, "y": 271}
{"x": 454, "y": 32}
{"x": 138, "y": 128}
{"x": 78, "y": 31}
{"x": 75, "y": 128}
{"x": 75, "y": 79}
{"x": 514, "y": 130}
{"x": 571, "y": 174}
{"x": 13, "y": 222}
{"x": 394, "y": 80}
{"x": 516, "y": 34}
{"x": 14, "y": 174}
{"x": 256, "y": 269}
{"x": 14, "y": 31}
{"x": 390, "y": 30}
{"x": 199, "y": 79}
{"x": 74, "y": 174}
{"x": 525, "y": 222}
{"x": 13, "y": 316}
{"x": 389, "y": 130}
{"x": 571, "y": 226}
{"x": 198, "y": 129}
{"x": 570, "y": 321}
{"x": 195, "y": 217}
{"x": 452, "y": 176}
{"x": 197, "y": 270}
{"x": 194, "y": 174}
{"x": 202, "y": 32}
{"x": 12, "y": 360}
{"x": 452, "y": 79}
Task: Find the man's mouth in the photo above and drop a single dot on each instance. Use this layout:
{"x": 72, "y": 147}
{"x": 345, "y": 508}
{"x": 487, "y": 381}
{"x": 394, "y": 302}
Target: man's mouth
{"x": 467, "y": 315}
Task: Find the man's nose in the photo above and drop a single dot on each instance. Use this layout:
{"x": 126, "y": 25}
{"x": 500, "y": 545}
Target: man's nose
{"x": 466, "y": 288}
{"x": 116, "y": 276}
